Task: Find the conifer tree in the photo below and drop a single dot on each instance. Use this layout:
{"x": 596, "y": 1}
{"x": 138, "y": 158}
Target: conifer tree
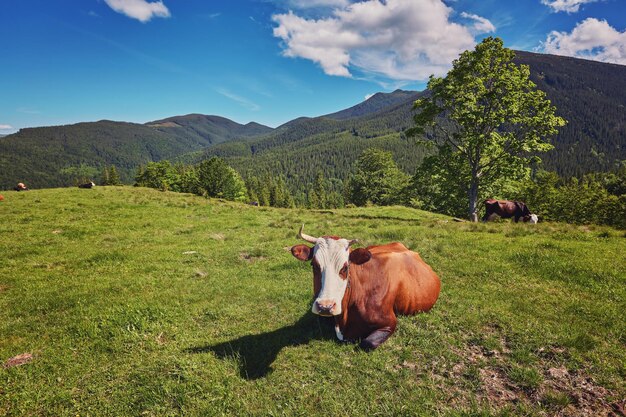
{"x": 114, "y": 178}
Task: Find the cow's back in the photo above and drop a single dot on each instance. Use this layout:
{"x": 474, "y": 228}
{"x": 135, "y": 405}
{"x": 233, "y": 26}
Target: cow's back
{"x": 412, "y": 285}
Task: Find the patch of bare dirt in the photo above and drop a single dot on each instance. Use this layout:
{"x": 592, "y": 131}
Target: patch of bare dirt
{"x": 160, "y": 339}
{"x": 406, "y": 365}
{"x": 3, "y": 288}
{"x": 496, "y": 387}
{"x": 244, "y": 256}
{"x": 164, "y": 124}
{"x": 217, "y": 236}
{"x": 18, "y": 360}
{"x": 588, "y": 399}
{"x": 200, "y": 273}
{"x": 562, "y": 392}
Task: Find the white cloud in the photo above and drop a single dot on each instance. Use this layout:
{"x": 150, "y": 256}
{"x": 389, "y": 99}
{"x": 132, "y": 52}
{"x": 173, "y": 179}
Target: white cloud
{"x": 5, "y": 127}
{"x": 481, "y": 25}
{"x": 590, "y": 39}
{"x": 398, "y": 39}
{"x": 141, "y": 10}
{"x": 569, "y": 6}
{"x": 242, "y": 101}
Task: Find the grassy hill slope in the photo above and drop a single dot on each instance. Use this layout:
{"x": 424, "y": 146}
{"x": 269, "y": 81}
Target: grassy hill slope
{"x": 134, "y": 301}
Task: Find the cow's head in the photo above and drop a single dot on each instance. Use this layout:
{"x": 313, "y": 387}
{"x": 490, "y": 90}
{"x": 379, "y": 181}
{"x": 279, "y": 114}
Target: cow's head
{"x": 531, "y": 218}
{"x": 331, "y": 258}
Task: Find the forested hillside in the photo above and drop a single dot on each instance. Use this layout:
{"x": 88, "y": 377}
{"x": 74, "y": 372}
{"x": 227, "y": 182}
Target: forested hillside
{"x": 51, "y": 156}
{"x": 207, "y": 129}
{"x": 299, "y": 149}
{"x": 373, "y": 104}
{"x": 590, "y": 95}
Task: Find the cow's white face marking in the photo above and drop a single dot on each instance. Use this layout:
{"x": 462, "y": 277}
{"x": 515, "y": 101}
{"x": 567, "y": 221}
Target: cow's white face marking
{"x": 533, "y": 219}
{"x": 331, "y": 255}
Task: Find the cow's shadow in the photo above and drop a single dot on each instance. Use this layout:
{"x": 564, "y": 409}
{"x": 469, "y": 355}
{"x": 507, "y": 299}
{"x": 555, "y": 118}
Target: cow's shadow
{"x": 256, "y": 353}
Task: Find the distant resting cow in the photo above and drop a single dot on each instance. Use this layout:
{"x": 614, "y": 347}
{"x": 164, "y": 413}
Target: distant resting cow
{"x": 507, "y": 209}
{"x": 364, "y": 289}
{"x": 90, "y": 184}
{"x": 20, "y": 187}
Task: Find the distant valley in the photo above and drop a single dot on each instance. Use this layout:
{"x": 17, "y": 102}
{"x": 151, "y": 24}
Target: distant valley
{"x": 589, "y": 94}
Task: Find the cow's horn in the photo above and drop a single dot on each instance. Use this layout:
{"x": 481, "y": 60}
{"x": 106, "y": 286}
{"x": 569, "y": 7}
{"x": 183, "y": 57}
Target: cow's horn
{"x": 353, "y": 242}
{"x": 308, "y": 238}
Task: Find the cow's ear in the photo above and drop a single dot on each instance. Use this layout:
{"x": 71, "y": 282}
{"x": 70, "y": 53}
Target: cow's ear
{"x": 302, "y": 252}
{"x": 360, "y": 256}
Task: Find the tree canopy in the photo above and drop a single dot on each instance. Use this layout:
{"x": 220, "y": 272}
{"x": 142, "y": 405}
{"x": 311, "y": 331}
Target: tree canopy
{"x": 488, "y": 118}
{"x": 377, "y": 179}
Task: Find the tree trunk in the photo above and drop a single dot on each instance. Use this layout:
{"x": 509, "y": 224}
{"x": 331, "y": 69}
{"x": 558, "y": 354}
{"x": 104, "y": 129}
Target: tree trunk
{"x": 472, "y": 194}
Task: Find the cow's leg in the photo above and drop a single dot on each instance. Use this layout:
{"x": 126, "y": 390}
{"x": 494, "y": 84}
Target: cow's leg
{"x": 377, "y": 337}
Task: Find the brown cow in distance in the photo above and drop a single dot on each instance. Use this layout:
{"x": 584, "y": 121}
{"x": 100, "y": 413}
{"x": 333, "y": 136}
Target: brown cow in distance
{"x": 507, "y": 209}
{"x": 363, "y": 289}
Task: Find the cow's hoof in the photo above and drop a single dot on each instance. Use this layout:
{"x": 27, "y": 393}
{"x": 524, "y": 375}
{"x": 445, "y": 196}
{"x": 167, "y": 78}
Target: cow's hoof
{"x": 367, "y": 345}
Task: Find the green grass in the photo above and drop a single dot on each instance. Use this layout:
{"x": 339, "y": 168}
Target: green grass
{"x": 138, "y": 302}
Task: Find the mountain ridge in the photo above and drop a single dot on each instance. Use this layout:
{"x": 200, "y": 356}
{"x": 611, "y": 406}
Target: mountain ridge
{"x": 589, "y": 94}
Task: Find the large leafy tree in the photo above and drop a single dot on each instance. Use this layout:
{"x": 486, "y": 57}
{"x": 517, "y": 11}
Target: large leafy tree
{"x": 488, "y": 117}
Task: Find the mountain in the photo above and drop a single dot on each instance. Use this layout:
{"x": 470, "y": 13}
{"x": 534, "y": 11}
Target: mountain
{"x": 591, "y": 96}
{"x": 209, "y": 129}
{"x": 51, "y": 156}
{"x": 373, "y": 104}
{"x": 300, "y": 148}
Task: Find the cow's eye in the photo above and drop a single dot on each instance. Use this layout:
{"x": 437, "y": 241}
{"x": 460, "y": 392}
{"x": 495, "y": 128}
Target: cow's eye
{"x": 344, "y": 272}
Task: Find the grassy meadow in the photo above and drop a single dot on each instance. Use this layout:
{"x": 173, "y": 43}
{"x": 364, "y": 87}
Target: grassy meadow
{"x": 133, "y": 301}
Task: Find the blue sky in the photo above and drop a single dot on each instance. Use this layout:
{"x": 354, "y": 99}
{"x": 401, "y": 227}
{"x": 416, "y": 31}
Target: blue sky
{"x": 67, "y": 61}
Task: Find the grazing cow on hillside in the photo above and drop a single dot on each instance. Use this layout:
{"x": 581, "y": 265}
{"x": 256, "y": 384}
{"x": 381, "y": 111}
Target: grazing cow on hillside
{"x": 507, "y": 209}
{"x": 20, "y": 187}
{"x": 364, "y": 289}
{"x": 90, "y": 184}
{"x": 1, "y": 197}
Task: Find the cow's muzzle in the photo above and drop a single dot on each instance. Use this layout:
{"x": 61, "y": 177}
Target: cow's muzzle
{"x": 325, "y": 307}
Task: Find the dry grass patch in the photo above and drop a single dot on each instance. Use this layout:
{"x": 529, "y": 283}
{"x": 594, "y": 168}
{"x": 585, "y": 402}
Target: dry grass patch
{"x": 18, "y": 360}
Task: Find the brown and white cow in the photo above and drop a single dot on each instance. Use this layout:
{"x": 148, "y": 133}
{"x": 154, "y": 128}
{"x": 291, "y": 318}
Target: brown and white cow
{"x": 20, "y": 187}
{"x": 363, "y": 289}
{"x": 507, "y": 209}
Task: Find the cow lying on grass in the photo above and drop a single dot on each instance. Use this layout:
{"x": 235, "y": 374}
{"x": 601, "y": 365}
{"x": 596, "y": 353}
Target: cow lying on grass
{"x": 507, "y": 209}
{"x": 364, "y": 289}
{"x": 20, "y": 187}
{"x": 90, "y": 184}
